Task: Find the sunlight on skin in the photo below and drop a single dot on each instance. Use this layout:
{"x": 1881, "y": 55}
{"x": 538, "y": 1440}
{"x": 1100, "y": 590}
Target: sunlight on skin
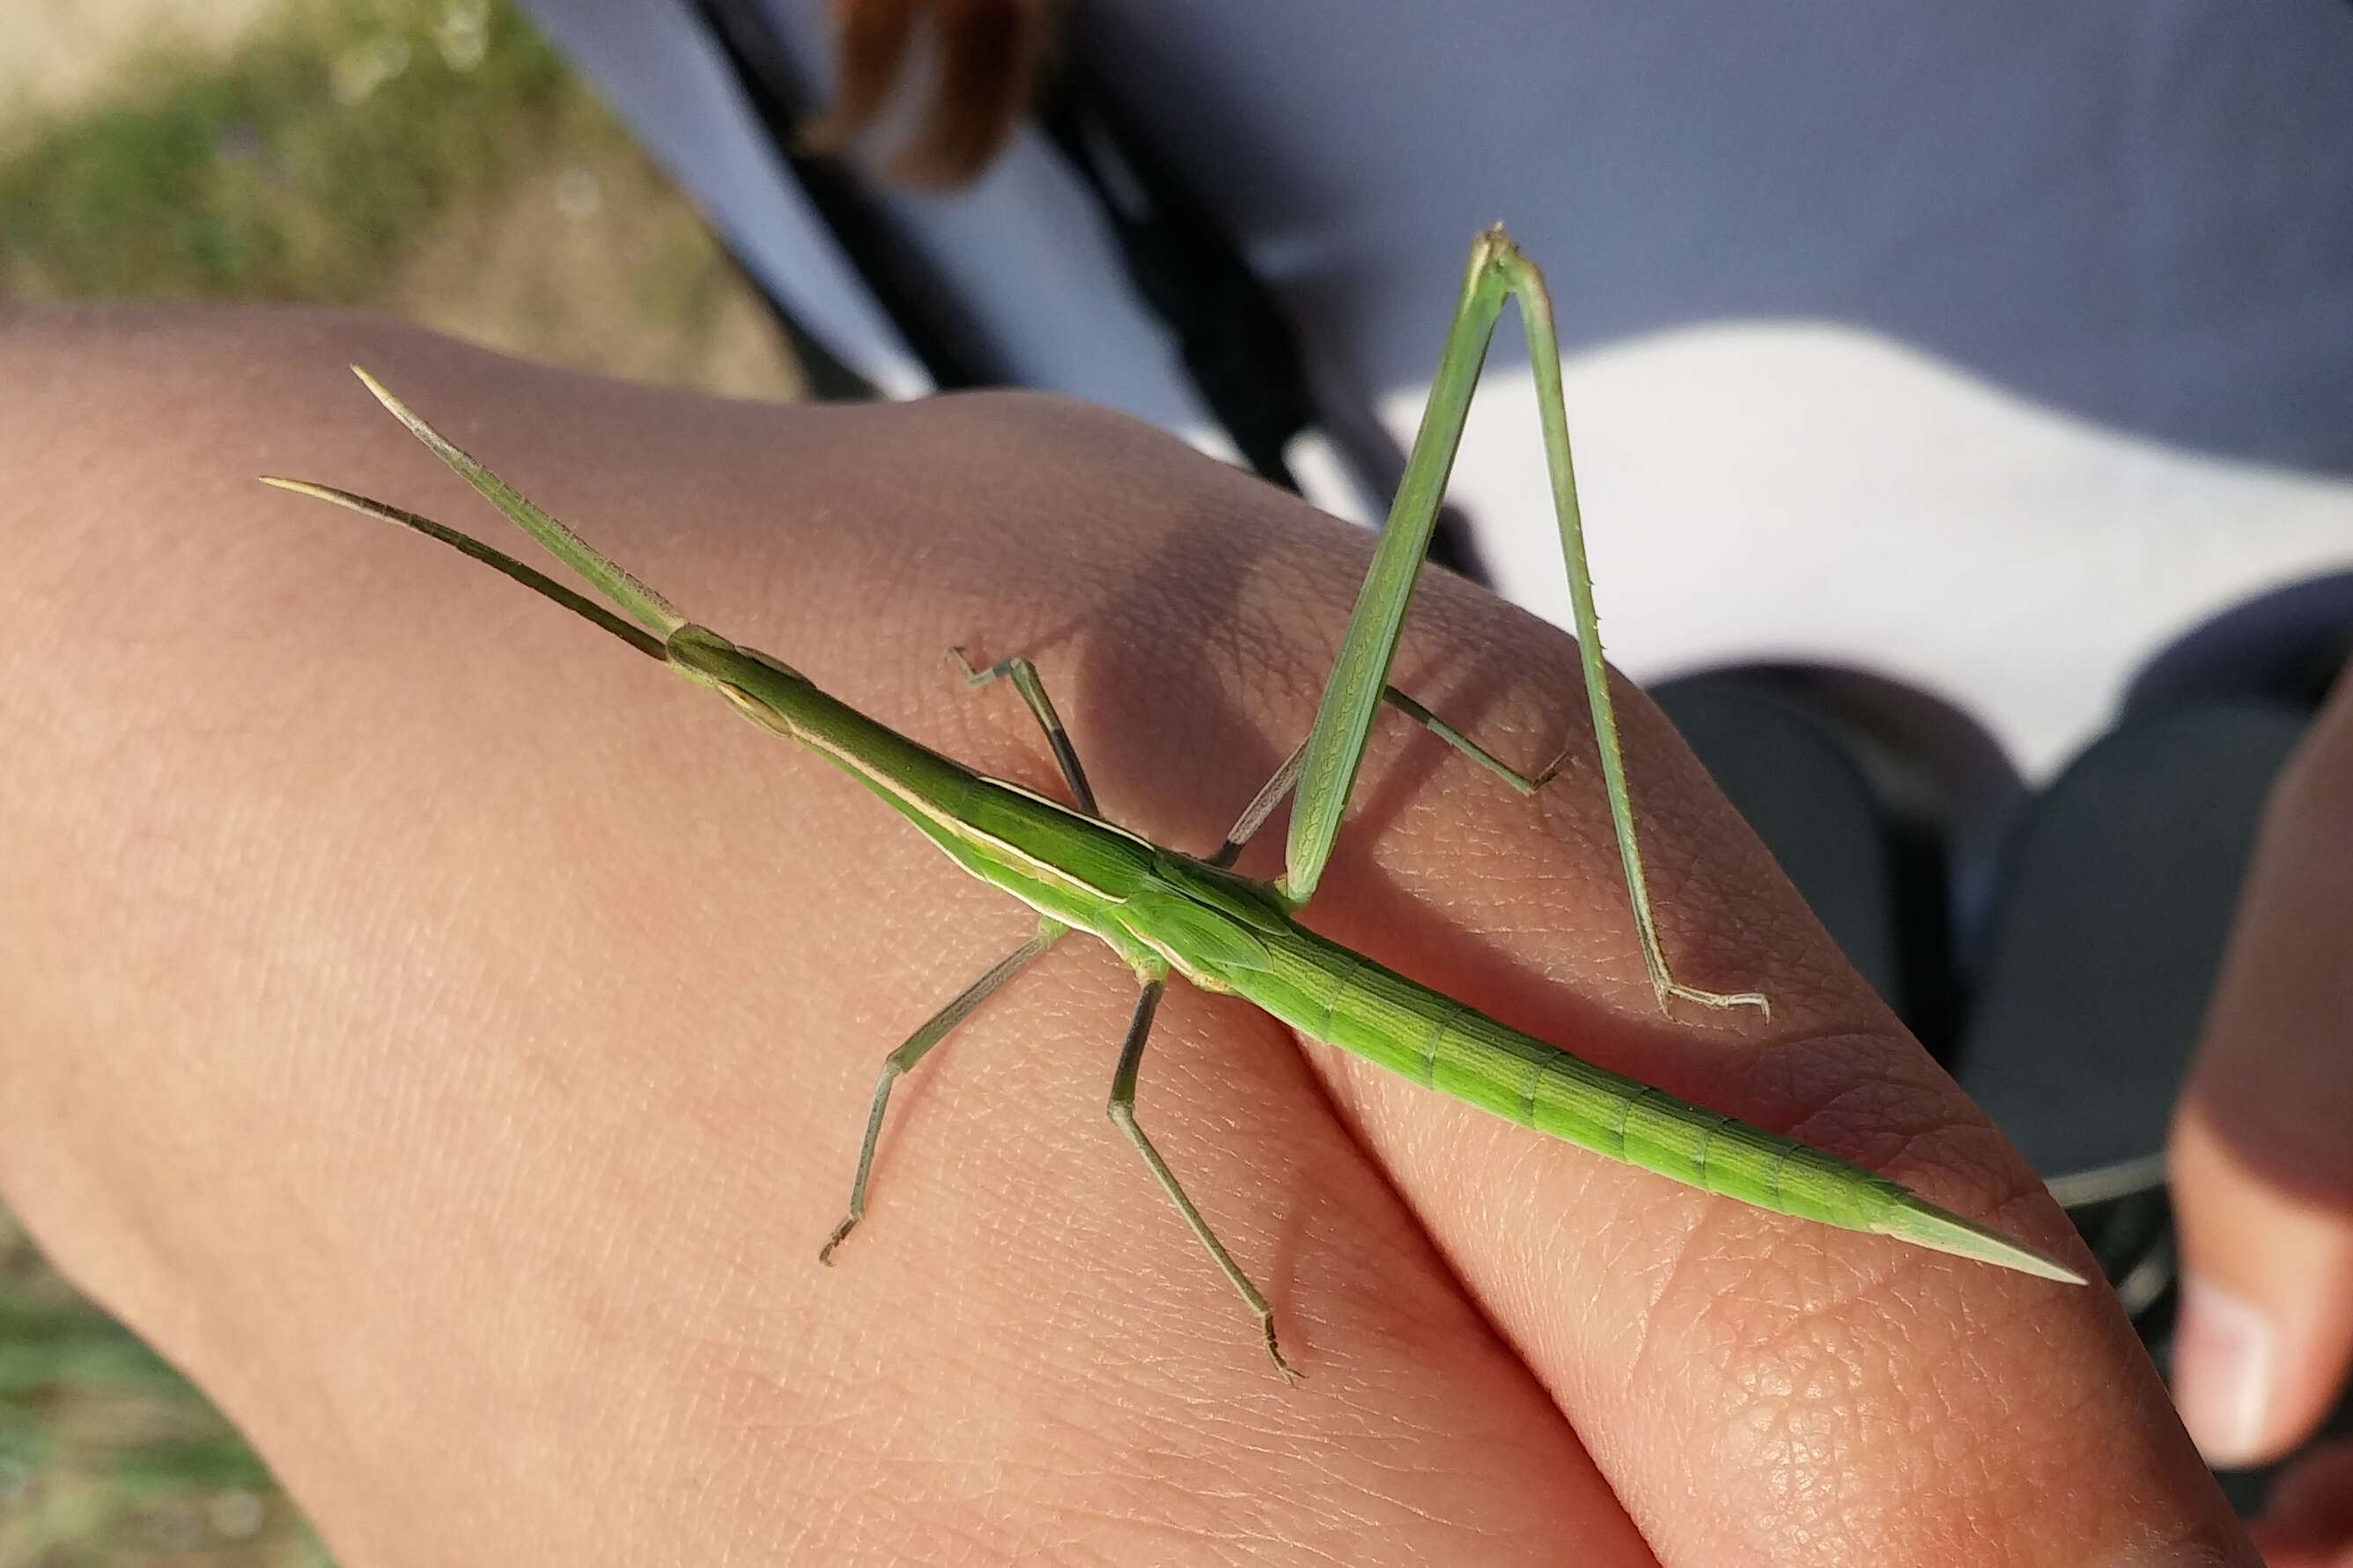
{"x": 448, "y": 1047}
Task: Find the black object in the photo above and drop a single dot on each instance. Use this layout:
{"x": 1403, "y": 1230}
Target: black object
{"x": 1886, "y": 806}
{"x": 892, "y": 270}
{"x": 2286, "y": 646}
{"x": 2122, "y": 881}
{"x": 1236, "y": 344}
{"x": 1232, "y": 335}
{"x": 2056, "y": 950}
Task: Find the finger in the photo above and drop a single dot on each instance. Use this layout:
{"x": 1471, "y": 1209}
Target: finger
{"x": 2261, "y": 1172}
{"x": 1747, "y": 1382}
{"x": 2308, "y": 1521}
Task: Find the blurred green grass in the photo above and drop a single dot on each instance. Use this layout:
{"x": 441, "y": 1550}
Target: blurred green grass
{"x": 429, "y": 157}
{"x": 107, "y": 1454}
{"x": 298, "y": 169}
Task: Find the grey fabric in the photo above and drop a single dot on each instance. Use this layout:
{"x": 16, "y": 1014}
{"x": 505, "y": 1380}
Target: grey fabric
{"x": 2136, "y": 210}
{"x": 1987, "y": 346}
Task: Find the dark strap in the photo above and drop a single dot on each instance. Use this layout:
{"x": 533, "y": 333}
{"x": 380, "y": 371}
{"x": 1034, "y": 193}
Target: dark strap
{"x": 1236, "y": 344}
{"x": 894, "y": 271}
{"x": 1233, "y": 337}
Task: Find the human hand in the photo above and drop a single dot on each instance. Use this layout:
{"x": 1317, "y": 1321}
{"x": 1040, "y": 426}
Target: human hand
{"x": 2261, "y": 1164}
{"x": 448, "y": 1037}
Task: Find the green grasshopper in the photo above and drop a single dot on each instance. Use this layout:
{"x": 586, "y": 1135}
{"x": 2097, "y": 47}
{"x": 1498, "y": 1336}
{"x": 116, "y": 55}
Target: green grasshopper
{"x": 1163, "y": 910}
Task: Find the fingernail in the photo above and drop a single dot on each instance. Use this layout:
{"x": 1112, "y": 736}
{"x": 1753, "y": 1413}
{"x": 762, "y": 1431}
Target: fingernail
{"x": 2222, "y": 1353}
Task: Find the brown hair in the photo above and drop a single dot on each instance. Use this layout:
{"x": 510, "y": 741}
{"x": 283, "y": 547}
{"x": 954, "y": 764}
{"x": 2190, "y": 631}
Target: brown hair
{"x": 986, "y": 60}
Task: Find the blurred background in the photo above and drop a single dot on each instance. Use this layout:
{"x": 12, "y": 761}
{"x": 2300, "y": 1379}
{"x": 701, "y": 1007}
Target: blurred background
{"x": 432, "y": 158}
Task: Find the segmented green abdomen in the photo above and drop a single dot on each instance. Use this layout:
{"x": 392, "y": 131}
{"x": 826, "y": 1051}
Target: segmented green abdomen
{"x": 1648, "y": 1127}
{"x": 1326, "y": 991}
{"x": 1352, "y": 1002}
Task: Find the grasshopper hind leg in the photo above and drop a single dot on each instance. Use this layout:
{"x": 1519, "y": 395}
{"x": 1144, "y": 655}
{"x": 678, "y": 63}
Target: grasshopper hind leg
{"x": 1662, "y": 983}
{"x": 1357, "y": 685}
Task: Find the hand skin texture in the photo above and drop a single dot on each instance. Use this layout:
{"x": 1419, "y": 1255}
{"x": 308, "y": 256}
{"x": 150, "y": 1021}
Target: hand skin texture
{"x": 2261, "y": 1163}
{"x": 446, "y": 1034}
